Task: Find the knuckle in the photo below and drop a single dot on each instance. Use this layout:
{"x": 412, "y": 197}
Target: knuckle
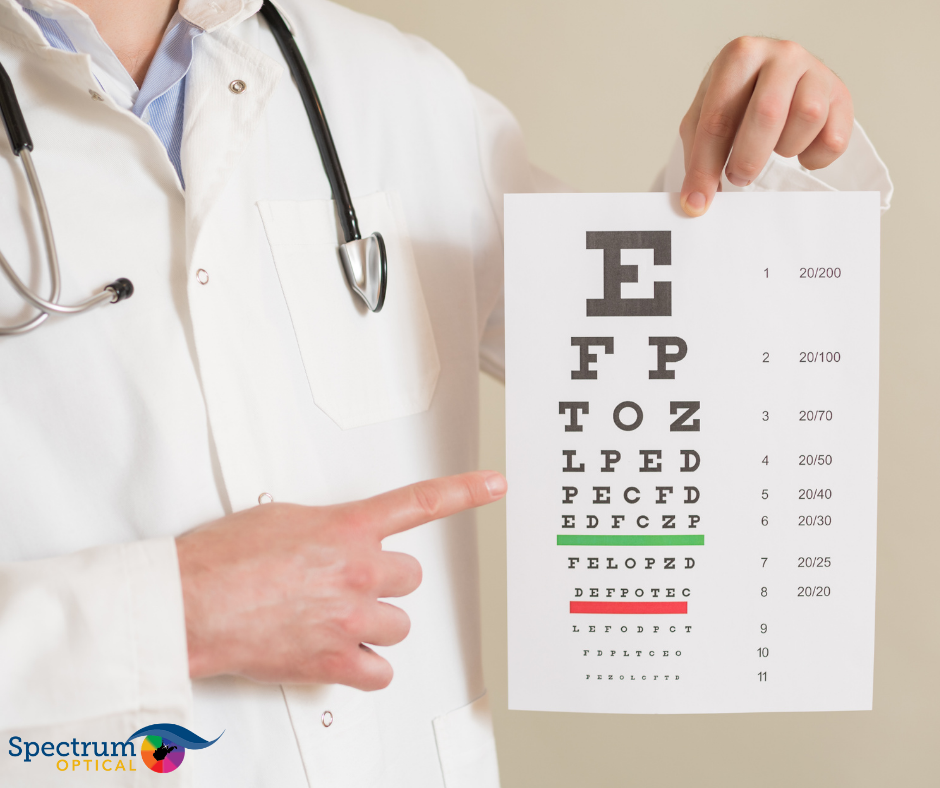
{"x": 428, "y": 500}
{"x": 747, "y": 168}
{"x": 769, "y": 112}
{"x": 349, "y": 621}
{"x": 835, "y": 141}
{"x": 790, "y": 49}
{"x": 354, "y": 520}
{"x": 811, "y": 111}
{"x": 841, "y": 94}
{"x": 718, "y": 125}
{"x": 743, "y": 47}
{"x": 699, "y": 176}
{"x": 333, "y": 666}
{"x": 360, "y": 575}
{"x": 341, "y": 524}
{"x": 473, "y": 490}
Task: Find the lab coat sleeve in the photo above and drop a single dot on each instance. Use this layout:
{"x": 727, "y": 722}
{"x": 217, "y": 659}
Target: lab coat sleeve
{"x": 92, "y": 645}
{"x": 858, "y": 169}
{"x": 505, "y": 169}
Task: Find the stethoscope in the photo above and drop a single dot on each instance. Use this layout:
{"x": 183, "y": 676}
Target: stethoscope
{"x": 364, "y": 260}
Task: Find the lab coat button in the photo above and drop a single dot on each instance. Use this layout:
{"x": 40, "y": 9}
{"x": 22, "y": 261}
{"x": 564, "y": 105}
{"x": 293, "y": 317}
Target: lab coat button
{"x": 202, "y": 276}
{"x": 95, "y": 95}
{"x": 237, "y": 86}
{"x": 327, "y": 719}
{"x": 265, "y": 498}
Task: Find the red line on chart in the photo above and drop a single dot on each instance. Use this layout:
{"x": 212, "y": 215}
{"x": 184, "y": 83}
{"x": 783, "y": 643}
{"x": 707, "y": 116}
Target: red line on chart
{"x": 641, "y": 608}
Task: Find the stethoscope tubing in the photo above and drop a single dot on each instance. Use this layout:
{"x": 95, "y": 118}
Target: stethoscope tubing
{"x": 321, "y": 129}
{"x": 54, "y": 273}
{"x": 365, "y": 262}
{"x": 22, "y": 145}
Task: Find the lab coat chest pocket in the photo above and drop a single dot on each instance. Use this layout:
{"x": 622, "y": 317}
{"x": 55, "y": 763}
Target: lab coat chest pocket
{"x": 363, "y": 367}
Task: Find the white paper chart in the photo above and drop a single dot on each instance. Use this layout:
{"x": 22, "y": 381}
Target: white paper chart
{"x": 692, "y": 444}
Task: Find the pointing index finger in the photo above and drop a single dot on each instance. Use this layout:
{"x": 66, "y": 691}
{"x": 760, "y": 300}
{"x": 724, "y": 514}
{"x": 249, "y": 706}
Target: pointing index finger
{"x": 402, "y": 509}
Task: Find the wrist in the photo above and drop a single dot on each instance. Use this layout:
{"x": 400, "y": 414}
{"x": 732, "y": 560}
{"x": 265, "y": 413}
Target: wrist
{"x": 203, "y": 656}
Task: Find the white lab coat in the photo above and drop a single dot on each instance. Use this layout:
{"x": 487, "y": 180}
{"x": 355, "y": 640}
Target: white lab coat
{"x": 126, "y": 426}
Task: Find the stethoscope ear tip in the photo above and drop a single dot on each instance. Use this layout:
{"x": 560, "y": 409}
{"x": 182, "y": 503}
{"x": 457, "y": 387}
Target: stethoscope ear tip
{"x": 121, "y": 288}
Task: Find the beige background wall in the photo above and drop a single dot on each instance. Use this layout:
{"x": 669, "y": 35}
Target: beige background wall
{"x": 599, "y": 87}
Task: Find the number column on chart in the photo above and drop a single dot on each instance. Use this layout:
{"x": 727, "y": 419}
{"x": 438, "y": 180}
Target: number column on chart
{"x": 763, "y": 555}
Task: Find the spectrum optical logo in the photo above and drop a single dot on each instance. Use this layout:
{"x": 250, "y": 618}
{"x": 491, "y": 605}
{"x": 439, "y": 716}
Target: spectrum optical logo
{"x": 165, "y": 745}
{"x": 162, "y": 750}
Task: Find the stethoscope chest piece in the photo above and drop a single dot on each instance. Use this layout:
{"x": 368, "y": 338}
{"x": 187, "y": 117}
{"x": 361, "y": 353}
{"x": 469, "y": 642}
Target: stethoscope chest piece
{"x": 366, "y": 267}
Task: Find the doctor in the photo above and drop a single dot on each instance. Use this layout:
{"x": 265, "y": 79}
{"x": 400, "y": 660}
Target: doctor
{"x": 246, "y": 391}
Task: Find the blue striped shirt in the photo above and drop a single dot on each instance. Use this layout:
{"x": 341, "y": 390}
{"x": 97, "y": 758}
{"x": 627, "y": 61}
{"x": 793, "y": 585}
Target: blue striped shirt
{"x": 161, "y": 99}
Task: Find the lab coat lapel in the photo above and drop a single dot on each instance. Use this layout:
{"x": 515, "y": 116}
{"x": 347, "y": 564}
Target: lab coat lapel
{"x": 73, "y": 68}
{"x": 219, "y": 120}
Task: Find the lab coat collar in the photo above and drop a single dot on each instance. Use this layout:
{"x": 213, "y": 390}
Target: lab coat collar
{"x": 86, "y": 39}
{"x": 210, "y": 15}
{"x": 18, "y": 30}
{"x": 218, "y": 123}
{"x": 213, "y": 14}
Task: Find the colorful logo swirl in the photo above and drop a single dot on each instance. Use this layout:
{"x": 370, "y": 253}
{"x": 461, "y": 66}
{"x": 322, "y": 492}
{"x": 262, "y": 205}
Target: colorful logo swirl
{"x": 161, "y": 755}
{"x": 165, "y": 745}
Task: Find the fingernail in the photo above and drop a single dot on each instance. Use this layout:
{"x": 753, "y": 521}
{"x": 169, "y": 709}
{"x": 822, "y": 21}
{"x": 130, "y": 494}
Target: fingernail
{"x": 495, "y": 483}
{"x": 737, "y": 180}
{"x": 695, "y": 204}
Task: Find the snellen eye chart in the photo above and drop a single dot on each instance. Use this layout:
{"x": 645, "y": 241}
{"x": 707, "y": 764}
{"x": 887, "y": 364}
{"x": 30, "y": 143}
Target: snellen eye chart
{"x": 692, "y": 452}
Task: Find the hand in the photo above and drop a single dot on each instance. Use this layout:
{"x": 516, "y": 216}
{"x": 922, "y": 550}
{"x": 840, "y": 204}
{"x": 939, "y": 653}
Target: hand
{"x": 289, "y": 593}
{"x": 761, "y": 95}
